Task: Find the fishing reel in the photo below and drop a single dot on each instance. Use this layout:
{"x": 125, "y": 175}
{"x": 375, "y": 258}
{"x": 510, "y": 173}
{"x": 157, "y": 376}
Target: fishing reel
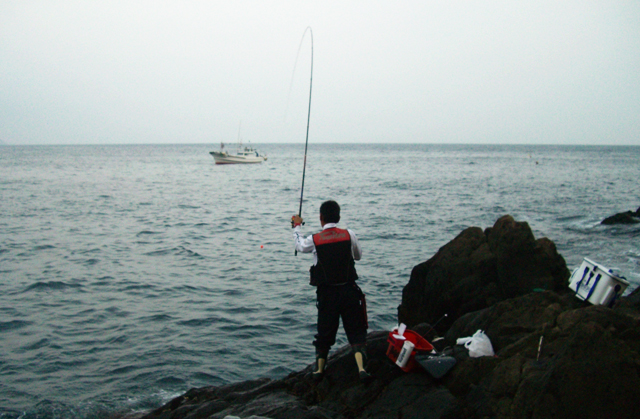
{"x": 293, "y": 223}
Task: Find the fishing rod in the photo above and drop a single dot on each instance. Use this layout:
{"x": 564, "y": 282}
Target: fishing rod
{"x": 306, "y": 144}
{"x": 433, "y": 327}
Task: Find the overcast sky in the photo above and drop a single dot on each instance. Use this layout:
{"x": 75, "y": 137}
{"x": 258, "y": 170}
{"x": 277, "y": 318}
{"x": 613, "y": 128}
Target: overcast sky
{"x": 112, "y": 72}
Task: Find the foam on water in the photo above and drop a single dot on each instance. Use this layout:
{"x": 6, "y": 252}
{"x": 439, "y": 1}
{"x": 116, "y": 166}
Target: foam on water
{"x": 129, "y": 274}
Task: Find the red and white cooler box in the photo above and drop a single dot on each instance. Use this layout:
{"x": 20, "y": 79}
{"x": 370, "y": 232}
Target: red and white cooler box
{"x": 596, "y": 284}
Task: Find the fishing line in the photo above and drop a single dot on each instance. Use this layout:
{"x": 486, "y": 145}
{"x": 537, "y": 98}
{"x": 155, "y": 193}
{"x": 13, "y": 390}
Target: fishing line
{"x": 306, "y": 144}
{"x": 293, "y": 73}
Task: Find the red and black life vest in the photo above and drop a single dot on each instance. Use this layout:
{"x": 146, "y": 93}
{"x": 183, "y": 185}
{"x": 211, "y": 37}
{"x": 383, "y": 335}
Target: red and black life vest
{"x": 335, "y": 261}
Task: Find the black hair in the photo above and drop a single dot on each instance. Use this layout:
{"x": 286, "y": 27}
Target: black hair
{"x": 330, "y": 211}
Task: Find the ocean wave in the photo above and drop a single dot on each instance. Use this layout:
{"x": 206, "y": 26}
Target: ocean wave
{"x": 116, "y": 340}
{"x": 142, "y": 289}
{"x": 88, "y": 262}
{"x": 183, "y": 251}
{"x": 52, "y": 286}
{"x": 201, "y": 322}
{"x": 92, "y": 250}
{"x": 234, "y": 292}
{"x": 170, "y": 380}
{"x": 125, "y": 370}
{"x": 7, "y": 413}
{"x": 14, "y": 325}
{"x": 179, "y": 251}
{"x": 117, "y": 312}
{"x": 42, "y": 343}
{"x": 157, "y": 318}
{"x": 203, "y": 376}
{"x": 244, "y": 310}
{"x": 146, "y": 232}
{"x": 163, "y": 252}
{"x": 44, "y": 247}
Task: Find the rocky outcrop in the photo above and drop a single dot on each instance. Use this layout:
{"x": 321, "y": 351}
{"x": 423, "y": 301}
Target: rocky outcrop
{"x": 589, "y": 355}
{"x": 478, "y": 269}
{"x": 628, "y": 217}
{"x": 339, "y": 394}
{"x": 556, "y": 356}
{"x": 588, "y": 366}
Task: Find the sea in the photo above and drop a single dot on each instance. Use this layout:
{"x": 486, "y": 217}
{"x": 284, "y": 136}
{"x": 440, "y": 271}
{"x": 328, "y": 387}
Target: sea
{"x": 132, "y": 273}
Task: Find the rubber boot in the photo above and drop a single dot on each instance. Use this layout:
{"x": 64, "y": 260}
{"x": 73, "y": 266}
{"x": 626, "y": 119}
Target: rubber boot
{"x": 359, "y": 352}
{"x": 321, "y": 362}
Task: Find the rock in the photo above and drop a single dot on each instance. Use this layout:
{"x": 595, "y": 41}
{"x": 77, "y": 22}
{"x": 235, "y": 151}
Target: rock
{"x": 628, "y": 217}
{"x": 556, "y": 356}
{"x": 590, "y": 355}
{"x": 509, "y": 321}
{"x": 479, "y": 269}
{"x": 632, "y": 300}
{"x": 338, "y": 395}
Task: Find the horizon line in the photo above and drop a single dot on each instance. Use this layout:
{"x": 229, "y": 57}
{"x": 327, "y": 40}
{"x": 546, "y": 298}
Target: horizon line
{"x": 321, "y": 143}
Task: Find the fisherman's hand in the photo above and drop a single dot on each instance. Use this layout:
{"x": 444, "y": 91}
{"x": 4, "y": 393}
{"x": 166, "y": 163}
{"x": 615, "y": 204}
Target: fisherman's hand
{"x": 296, "y": 220}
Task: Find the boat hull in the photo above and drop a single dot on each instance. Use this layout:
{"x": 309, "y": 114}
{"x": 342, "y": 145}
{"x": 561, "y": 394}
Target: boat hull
{"x": 224, "y": 158}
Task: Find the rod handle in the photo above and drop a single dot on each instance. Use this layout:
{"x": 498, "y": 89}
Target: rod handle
{"x": 295, "y": 252}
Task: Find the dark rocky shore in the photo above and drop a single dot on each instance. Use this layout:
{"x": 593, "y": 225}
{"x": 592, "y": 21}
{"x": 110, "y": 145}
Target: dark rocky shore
{"x": 503, "y": 281}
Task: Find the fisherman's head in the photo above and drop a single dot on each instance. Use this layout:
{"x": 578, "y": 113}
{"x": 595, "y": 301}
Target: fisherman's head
{"x": 329, "y": 212}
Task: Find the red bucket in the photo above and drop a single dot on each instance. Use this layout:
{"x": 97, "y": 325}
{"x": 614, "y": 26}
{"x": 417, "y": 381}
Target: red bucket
{"x": 395, "y": 346}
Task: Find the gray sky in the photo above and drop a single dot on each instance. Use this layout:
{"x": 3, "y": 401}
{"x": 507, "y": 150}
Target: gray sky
{"x": 534, "y": 72}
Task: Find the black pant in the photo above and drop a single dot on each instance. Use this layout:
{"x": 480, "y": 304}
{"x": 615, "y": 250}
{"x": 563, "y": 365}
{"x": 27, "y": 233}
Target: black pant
{"x": 346, "y": 301}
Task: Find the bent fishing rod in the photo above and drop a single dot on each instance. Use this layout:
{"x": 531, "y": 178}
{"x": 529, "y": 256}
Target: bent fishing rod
{"x": 306, "y": 144}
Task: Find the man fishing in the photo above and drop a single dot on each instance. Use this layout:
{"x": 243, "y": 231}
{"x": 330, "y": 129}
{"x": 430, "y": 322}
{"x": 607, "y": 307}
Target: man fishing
{"x": 334, "y": 274}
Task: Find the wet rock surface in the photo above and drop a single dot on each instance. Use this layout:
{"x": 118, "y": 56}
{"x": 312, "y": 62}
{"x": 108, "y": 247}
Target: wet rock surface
{"x": 556, "y": 356}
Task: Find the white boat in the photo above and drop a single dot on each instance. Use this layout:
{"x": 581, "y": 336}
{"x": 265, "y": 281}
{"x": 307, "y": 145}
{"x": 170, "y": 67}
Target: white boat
{"x": 241, "y": 155}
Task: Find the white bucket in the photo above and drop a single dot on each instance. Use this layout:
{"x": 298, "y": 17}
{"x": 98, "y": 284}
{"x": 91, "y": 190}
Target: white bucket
{"x": 597, "y": 284}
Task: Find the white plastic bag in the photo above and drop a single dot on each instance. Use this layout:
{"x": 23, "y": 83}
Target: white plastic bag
{"x": 478, "y": 344}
